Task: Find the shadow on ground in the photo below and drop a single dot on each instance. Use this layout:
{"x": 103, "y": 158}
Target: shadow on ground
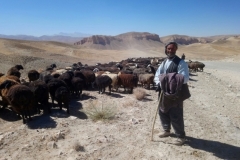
{"x": 219, "y": 149}
{"x": 47, "y": 120}
{"x": 190, "y": 79}
{"x": 41, "y": 121}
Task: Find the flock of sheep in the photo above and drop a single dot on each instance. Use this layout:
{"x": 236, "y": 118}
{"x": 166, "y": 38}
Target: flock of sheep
{"x": 27, "y": 97}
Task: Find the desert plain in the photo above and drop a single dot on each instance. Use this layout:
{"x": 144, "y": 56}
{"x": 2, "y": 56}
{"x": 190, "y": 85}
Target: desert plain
{"x": 211, "y": 114}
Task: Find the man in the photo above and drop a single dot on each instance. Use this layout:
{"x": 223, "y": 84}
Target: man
{"x": 172, "y": 115}
{"x": 183, "y": 56}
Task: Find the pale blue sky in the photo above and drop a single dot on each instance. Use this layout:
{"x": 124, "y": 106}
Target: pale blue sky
{"x": 112, "y": 17}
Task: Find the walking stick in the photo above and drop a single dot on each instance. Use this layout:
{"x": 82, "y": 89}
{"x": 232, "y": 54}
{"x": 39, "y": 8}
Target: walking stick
{"x": 156, "y": 114}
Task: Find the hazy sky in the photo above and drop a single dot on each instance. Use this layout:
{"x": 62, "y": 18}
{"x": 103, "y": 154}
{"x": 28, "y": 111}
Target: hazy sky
{"x": 113, "y": 17}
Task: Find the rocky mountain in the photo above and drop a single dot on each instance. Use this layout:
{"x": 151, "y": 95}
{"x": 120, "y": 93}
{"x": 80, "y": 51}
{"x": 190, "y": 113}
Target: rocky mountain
{"x": 125, "y": 40}
{"x": 185, "y": 40}
{"x": 128, "y": 40}
{"x": 106, "y": 40}
{"x": 141, "y": 39}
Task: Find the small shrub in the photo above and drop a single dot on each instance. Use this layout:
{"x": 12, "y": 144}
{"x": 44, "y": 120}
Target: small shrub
{"x": 128, "y": 103}
{"x": 96, "y": 111}
{"x": 77, "y": 147}
{"x": 139, "y": 93}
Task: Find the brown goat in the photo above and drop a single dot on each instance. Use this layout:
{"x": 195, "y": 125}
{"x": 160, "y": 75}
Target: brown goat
{"x": 127, "y": 81}
{"x": 146, "y": 79}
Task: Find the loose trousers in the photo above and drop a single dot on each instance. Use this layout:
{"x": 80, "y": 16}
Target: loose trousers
{"x": 173, "y": 117}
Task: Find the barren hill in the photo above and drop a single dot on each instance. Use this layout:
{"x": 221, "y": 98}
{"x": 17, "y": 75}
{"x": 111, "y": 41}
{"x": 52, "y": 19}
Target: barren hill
{"x": 187, "y": 40}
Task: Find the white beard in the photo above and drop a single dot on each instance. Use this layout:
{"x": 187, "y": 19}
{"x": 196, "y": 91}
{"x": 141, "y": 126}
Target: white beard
{"x": 171, "y": 56}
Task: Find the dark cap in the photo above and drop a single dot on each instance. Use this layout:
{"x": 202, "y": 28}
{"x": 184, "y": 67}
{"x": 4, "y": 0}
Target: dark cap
{"x": 174, "y": 43}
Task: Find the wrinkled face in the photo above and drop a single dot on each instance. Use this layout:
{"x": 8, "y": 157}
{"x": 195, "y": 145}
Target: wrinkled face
{"x": 171, "y": 50}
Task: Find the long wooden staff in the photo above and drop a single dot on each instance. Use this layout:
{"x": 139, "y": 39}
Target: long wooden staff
{"x": 160, "y": 99}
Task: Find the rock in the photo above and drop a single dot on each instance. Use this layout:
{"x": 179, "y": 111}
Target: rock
{"x": 134, "y": 121}
{"x": 51, "y": 145}
{"x": 59, "y": 135}
{"x": 1, "y": 137}
{"x": 43, "y": 137}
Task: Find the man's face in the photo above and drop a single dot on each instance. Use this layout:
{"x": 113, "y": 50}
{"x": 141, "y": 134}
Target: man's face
{"x": 171, "y": 50}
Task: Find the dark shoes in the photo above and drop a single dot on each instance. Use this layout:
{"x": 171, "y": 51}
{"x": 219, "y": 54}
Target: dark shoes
{"x": 179, "y": 141}
{"x": 164, "y": 134}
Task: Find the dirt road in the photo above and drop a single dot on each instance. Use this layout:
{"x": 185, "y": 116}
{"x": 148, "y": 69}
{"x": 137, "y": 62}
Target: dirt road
{"x": 229, "y": 66}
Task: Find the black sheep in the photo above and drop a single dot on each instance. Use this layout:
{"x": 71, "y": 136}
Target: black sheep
{"x": 4, "y": 91}
{"x": 41, "y": 95}
{"x": 20, "y": 97}
{"x": 102, "y": 82}
{"x": 47, "y": 78}
{"x": 79, "y": 74}
{"x": 67, "y": 78}
{"x": 45, "y": 74}
{"x": 89, "y": 77}
{"x": 15, "y": 71}
{"x": 53, "y": 85}
{"x": 33, "y": 75}
{"x": 62, "y": 96}
{"x": 77, "y": 86}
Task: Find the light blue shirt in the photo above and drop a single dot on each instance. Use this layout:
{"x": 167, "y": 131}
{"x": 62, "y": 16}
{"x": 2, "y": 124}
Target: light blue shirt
{"x": 182, "y": 69}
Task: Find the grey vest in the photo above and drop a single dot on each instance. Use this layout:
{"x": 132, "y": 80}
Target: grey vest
{"x": 173, "y": 67}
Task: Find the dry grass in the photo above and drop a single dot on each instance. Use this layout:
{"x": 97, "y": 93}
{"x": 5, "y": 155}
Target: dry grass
{"x": 139, "y": 93}
{"x": 99, "y": 111}
{"x": 128, "y": 103}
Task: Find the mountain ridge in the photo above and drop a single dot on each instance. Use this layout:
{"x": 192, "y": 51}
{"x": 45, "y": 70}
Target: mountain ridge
{"x": 73, "y": 39}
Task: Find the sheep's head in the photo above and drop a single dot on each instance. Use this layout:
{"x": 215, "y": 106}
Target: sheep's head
{"x": 119, "y": 66}
{"x": 19, "y": 66}
{"x": 74, "y": 65}
{"x": 53, "y": 66}
{"x": 80, "y": 64}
